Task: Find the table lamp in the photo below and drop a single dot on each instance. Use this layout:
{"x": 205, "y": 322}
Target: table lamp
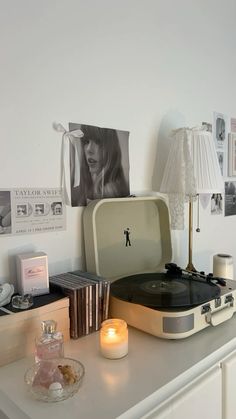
{"x": 192, "y": 168}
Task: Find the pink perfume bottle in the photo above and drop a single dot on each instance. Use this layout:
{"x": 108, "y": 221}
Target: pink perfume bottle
{"x": 50, "y": 344}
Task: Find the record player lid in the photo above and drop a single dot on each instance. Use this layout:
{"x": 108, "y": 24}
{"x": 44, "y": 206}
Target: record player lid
{"x": 124, "y": 236}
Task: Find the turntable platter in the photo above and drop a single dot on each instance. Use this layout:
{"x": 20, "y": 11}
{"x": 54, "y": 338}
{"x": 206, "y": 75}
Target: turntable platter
{"x": 160, "y": 290}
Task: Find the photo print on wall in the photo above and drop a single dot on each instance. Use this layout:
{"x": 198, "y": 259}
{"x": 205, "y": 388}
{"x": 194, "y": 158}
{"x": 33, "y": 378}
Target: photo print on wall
{"x": 232, "y": 154}
{"x": 31, "y": 211}
{"x": 220, "y": 131}
{"x": 220, "y": 156}
{"x": 5, "y": 212}
{"x": 216, "y": 204}
{"x": 230, "y": 198}
{"x": 99, "y": 164}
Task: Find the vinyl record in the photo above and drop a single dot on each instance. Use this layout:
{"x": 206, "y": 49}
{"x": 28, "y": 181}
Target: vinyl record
{"x": 159, "y": 290}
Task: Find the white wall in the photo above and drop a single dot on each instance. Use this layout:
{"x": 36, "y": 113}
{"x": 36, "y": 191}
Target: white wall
{"x": 146, "y": 66}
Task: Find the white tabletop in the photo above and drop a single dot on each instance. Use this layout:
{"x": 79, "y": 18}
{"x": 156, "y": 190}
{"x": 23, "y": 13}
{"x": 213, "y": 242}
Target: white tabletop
{"x": 123, "y": 387}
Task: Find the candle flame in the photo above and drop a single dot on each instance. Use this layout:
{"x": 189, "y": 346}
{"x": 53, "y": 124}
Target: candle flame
{"x": 111, "y": 331}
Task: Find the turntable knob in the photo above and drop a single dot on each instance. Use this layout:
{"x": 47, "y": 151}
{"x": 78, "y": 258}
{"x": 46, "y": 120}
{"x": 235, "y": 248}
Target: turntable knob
{"x": 209, "y": 277}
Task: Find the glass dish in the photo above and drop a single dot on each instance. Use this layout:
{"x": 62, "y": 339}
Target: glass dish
{"x": 55, "y": 379}
{"x": 22, "y": 302}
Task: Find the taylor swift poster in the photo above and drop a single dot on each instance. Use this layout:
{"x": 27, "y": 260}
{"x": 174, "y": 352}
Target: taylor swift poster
{"x": 99, "y": 164}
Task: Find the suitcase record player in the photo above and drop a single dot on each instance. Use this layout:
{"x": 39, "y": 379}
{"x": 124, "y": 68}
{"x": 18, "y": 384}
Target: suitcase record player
{"x": 128, "y": 241}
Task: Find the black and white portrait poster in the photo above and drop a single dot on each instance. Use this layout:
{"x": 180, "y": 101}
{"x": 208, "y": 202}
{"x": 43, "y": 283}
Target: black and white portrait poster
{"x": 99, "y": 164}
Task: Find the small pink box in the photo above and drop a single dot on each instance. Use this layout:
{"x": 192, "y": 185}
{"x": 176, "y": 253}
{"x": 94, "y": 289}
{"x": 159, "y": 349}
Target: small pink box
{"x": 32, "y": 273}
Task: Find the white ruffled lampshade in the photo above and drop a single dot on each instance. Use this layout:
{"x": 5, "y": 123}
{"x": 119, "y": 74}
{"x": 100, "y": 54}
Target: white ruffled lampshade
{"x": 205, "y": 163}
{"x": 192, "y": 168}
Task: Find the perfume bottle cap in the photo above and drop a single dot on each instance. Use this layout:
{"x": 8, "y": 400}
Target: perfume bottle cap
{"x": 49, "y": 326}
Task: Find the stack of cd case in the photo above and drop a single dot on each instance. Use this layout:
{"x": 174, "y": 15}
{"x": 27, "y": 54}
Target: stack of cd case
{"x": 89, "y": 300}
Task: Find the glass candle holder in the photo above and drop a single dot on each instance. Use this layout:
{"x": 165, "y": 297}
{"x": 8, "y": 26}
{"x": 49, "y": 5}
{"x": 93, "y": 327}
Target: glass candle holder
{"x": 114, "y": 338}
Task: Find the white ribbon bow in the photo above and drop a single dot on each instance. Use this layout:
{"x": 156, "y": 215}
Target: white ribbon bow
{"x": 68, "y": 138}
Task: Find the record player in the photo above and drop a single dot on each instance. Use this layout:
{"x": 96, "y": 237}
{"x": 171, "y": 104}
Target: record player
{"x": 128, "y": 240}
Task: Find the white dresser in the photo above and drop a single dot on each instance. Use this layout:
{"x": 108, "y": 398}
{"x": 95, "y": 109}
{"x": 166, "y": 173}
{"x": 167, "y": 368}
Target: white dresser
{"x": 161, "y": 379}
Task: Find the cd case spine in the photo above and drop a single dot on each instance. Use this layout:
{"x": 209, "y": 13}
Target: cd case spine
{"x": 89, "y": 300}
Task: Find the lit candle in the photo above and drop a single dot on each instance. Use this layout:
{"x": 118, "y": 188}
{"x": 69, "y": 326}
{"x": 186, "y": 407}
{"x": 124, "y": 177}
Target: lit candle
{"x": 114, "y": 338}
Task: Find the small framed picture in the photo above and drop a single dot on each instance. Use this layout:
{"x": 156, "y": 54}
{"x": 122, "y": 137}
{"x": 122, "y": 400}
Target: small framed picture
{"x": 232, "y": 155}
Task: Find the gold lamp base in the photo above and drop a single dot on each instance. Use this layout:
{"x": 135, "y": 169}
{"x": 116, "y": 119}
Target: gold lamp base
{"x": 190, "y": 266}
